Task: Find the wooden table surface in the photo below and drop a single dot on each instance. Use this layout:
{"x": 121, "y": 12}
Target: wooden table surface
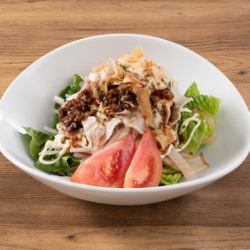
{"x": 33, "y": 216}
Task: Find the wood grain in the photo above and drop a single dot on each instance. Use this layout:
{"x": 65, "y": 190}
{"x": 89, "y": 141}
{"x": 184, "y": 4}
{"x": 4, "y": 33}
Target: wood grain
{"x": 33, "y": 216}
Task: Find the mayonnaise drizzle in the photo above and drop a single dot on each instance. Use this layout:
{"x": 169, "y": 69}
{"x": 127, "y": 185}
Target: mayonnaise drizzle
{"x": 185, "y": 125}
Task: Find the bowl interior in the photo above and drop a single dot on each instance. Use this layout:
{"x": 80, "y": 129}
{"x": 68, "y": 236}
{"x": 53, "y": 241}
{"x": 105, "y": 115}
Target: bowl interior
{"x": 29, "y": 100}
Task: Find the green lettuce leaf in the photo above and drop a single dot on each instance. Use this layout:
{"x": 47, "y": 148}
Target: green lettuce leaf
{"x": 55, "y": 121}
{"x": 207, "y": 104}
{"x": 207, "y": 107}
{"x": 74, "y": 87}
{"x": 64, "y": 167}
{"x": 192, "y": 90}
{"x": 170, "y": 176}
{"x": 36, "y": 140}
{"x": 71, "y": 89}
{"x": 204, "y": 103}
{"x": 201, "y": 135}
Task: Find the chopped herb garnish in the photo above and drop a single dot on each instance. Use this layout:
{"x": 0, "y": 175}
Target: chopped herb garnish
{"x": 124, "y": 66}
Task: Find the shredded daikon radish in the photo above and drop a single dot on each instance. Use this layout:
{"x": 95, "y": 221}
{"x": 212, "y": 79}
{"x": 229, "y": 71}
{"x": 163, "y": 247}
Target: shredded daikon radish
{"x": 59, "y": 100}
{"x": 52, "y": 152}
{"x": 50, "y": 130}
{"x": 56, "y": 147}
{"x": 70, "y": 97}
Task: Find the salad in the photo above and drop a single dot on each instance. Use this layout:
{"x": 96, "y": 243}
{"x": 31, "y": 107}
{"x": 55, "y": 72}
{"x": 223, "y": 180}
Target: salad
{"x": 126, "y": 124}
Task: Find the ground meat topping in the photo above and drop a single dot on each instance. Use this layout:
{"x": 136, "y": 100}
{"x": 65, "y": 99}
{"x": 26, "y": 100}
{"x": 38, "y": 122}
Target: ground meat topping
{"x": 119, "y": 100}
{"x": 74, "y": 111}
{"x": 158, "y": 94}
{"x": 174, "y": 113}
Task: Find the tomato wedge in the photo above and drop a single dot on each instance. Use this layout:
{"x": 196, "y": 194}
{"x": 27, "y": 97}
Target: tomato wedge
{"x": 107, "y": 168}
{"x": 145, "y": 169}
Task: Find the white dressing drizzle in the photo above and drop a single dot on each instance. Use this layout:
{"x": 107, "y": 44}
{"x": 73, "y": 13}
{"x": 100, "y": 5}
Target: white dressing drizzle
{"x": 185, "y": 125}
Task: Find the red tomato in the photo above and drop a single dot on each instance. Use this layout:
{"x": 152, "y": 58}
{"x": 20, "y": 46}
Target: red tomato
{"x": 145, "y": 169}
{"x": 107, "y": 168}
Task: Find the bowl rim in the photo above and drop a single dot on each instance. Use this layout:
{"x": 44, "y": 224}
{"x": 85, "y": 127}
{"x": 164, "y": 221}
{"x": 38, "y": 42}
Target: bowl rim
{"x": 189, "y": 183}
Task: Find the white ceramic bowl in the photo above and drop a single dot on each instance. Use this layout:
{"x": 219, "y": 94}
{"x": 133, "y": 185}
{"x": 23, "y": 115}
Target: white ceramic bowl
{"x": 28, "y": 101}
